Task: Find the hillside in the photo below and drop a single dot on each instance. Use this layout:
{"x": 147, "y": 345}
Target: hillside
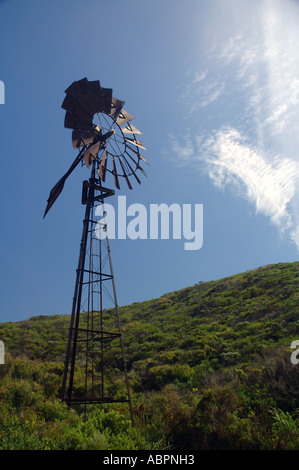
{"x": 209, "y": 368}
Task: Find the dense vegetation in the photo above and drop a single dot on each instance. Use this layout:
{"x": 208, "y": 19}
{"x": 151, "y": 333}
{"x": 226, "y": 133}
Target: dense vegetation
{"x": 209, "y": 368}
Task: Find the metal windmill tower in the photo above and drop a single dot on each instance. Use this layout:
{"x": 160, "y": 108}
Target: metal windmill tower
{"x": 107, "y": 143}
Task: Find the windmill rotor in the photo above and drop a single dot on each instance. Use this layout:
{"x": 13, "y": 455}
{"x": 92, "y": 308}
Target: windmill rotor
{"x": 102, "y": 131}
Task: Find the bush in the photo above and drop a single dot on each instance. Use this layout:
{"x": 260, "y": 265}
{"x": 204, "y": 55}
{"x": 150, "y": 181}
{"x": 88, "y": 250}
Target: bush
{"x": 97, "y": 441}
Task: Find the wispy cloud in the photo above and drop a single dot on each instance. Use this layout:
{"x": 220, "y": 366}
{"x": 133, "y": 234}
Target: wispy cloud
{"x": 266, "y": 64}
{"x": 267, "y": 181}
{"x": 211, "y": 92}
{"x": 253, "y": 80}
{"x": 182, "y": 150}
{"x": 202, "y": 90}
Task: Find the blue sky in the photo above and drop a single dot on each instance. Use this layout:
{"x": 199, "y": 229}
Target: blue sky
{"x": 214, "y": 88}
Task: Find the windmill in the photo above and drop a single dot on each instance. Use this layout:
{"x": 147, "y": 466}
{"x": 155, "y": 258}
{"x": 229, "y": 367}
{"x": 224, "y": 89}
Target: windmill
{"x": 106, "y": 143}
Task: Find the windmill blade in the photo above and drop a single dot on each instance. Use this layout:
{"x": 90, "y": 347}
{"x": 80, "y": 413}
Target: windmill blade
{"x": 130, "y": 129}
{"x": 124, "y": 117}
{"x": 95, "y": 102}
{"x": 142, "y": 158}
{"x": 125, "y": 174}
{"x": 70, "y": 121}
{"x": 77, "y": 88}
{"x": 103, "y": 166}
{"x": 91, "y": 100}
{"x": 87, "y": 157}
{"x": 138, "y": 155}
{"x": 107, "y": 99}
{"x": 91, "y": 153}
{"x": 57, "y": 189}
{"x": 116, "y": 107}
{"x": 83, "y": 100}
{"x": 74, "y": 121}
{"x": 135, "y": 142}
{"x": 136, "y": 151}
{"x": 115, "y": 174}
{"x": 81, "y": 138}
{"x": 94, "y": 149}
{"x": 69, "y": 103}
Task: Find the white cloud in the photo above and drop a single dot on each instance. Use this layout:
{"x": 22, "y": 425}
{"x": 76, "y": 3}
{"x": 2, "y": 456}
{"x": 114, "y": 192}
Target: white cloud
{"x": 211, "y": 92}
{"x": 199, "y": 77}
{"x": 265, "y": 60}
{"x": 201, "y": 91}
{"x": 252, "y": 78}
{"x": 260, "y": 59}
{"x": 183, "y": 152}
{"x": 267, "y": 181}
